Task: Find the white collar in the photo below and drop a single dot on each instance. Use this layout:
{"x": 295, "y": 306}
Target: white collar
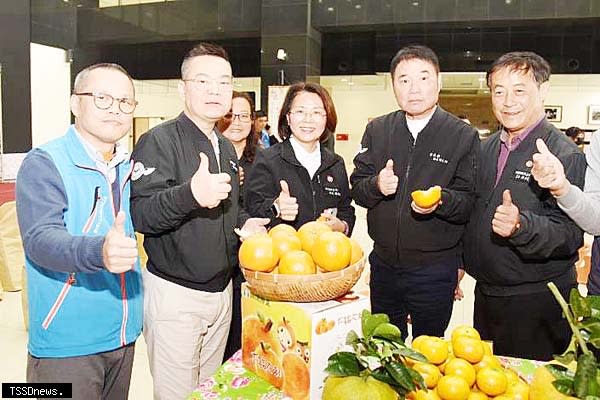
{"x": 309, "y": 160}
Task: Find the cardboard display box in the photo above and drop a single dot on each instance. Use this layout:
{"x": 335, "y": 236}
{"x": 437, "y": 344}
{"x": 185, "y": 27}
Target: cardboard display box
{"x": 288, "y": 344}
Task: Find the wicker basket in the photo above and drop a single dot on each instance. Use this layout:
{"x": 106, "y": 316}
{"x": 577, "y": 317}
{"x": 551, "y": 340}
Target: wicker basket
{"x": 304, "y": 288}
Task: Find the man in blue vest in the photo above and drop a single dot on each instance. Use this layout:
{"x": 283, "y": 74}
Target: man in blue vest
{"x": 83, "y": 274}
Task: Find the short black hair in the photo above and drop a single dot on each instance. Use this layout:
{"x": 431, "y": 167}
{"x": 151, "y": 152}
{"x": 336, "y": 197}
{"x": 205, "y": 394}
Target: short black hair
{"x": 573, "y": 131}
{"x": 523, "y": 61}
{"x": 203, "y": 49}
{"x": 415, "y": 51}
{"x": 260, "y": 114}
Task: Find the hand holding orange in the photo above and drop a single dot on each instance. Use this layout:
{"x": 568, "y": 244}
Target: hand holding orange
{"x": 427, "y": 198}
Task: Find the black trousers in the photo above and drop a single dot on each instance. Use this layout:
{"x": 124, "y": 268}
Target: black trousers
{"x": 234, "y": 340}
{"x": 526, "y": 326}
{"x": 99, "y": 376}
{"x": 426, "y": 292}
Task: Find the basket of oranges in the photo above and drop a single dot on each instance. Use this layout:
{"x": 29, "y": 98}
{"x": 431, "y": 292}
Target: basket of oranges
{"x": 308, "y": 265}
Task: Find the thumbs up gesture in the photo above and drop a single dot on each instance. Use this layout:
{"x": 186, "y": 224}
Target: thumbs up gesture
{"x": 548, "y": 170}
{"x": 119, "y": 251}
{"x": 208, "y": 188}
{"x": 287, "y": 205}
{"x": 506, "y": 219}
{"x": 387, "y": 182}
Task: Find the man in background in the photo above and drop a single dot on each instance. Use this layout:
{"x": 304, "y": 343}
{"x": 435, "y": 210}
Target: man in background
{"x": 260, "y": 127}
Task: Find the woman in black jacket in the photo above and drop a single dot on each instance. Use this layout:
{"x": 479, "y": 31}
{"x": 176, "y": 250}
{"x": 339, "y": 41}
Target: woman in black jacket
{"x": 298, "y": 180}
{"x": 238, "y": 127}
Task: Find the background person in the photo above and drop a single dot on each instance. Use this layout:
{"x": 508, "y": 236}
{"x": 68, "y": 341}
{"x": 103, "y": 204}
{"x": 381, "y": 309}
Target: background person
{"x": 185, "y": 200}
{"x": 518, "y": 239}
{"x": 416, "y": 253}
{"x": 260, "y": 127}
{"x": 237, "y": 126}
{"x": 83, "y": 275}
{"x": 300, "y": 179}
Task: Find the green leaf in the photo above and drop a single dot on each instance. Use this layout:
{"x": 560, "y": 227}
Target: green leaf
{"x": 412, "y": 354}
{"x": 565, "y": 386}
{"x": 352, "y": 338}
{"x": 388, "y": 331}
{"x": 594, "y": 302}
{"x": 343, "y": 363}
{"x": 591, "y": 324}
{"x": 594, "y": 340}
{"x": 382, "y": 374}
{"x": 579, "y": 304}
{"x": 560, "y": 371}
{"x": 400, "y": 373}
{"x": 371, "y": 321}
{"x": 417, "y": 378}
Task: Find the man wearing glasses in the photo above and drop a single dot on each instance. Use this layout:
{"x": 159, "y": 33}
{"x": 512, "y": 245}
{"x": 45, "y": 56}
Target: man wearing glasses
{"x": 83, "y": 275}
{"x": 185, "y": 200}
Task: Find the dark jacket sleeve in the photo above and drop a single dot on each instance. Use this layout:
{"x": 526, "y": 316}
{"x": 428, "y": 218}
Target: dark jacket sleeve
{"x": 261, "y": 190}
{"x": 158, "y": 202}
{"x": 364, "y": 177}
{"x": 345, "y": 210}
{"x": 41, "y": 203}
{"x": 458, "y": 198}
{"x": 553, "y": 235}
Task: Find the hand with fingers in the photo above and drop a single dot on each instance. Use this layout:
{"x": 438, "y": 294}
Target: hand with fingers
{"x": 387, "y": 182}
{"x": 287, "y": 205}
{"x": 548, "y": 171}
{"x": 334, "y": 222}
{"x": 254, "y": 225}
{"x": 506, "y": 219}
{"x": 119, "y": 251}
{"x": 208, "y": 188}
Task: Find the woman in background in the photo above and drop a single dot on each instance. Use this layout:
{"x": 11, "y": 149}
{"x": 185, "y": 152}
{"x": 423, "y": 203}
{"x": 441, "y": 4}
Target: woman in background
{"x": 238, "y": 127}
{"x": 300, "y": 180}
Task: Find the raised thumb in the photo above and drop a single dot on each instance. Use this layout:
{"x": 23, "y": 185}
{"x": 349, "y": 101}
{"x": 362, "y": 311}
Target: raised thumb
{"x": 541, "y": 146}
{"x": 390, "y": 165}
{"x": 284, "y": 187}
{"x": 119, "y": 224}
{"x": 203, "y": 163}
{"x": 506, "y": 198}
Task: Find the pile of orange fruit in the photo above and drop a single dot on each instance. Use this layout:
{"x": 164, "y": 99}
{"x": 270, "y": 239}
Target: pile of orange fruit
{"x": 464, "y": 368}
{"x": 313, "y": 248}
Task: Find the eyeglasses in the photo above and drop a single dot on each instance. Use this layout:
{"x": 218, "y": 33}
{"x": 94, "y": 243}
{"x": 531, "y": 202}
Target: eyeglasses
{"x": 243, "y": 117}
{"x": 104, "y": 101}
{"x": 204, "y": 84}
{"x": 310, "y": 114}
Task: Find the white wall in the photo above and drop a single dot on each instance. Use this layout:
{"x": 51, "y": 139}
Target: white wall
{"x": 50, "y": 91}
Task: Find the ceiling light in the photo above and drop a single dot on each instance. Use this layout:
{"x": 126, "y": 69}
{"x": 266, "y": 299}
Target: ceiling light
{"x": 330, "y": 9}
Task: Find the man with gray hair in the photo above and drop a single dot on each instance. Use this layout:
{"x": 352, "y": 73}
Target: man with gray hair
{"x": 83, "y": 275}
{"x": 518, "y": 239}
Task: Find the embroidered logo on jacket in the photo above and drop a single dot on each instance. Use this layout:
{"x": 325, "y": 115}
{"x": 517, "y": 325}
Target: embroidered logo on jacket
{"x": 522, "y": 176}
{"x": 139, "y": 170}
{"x": 437, "y": 157}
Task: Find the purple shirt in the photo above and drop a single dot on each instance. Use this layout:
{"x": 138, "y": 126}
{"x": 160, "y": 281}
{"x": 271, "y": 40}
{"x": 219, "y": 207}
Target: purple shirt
{"x": 506, "y": 147}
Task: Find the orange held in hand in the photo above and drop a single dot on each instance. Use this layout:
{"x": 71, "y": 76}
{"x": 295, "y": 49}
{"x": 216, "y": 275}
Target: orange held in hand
{"x": 258, "y": 253}
{"x": 427, "y": 198}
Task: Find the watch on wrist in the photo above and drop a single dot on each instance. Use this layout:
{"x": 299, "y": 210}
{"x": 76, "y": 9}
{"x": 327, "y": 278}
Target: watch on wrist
{"x": 275, "y": 210}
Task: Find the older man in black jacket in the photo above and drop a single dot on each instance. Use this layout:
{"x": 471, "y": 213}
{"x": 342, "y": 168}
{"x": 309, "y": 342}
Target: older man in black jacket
{"x": 518, "y": 239}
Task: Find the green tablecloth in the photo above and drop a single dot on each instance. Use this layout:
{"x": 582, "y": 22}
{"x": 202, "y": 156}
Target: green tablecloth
{"x": 233, "y": 382}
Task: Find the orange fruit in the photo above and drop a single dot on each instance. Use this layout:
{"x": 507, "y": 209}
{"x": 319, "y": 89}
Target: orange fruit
{"x": 309, "y": 232}
{"x": 332, "y": 251}
{"x": 488, "y": 361}
{"x": 477, "y": 396}
{"x": 427, "y": 198}
{"x": 468, "y": 348}
{"x": 258, "y": 253}
{"x": 357, "y": 252}
{"x": 492, "y": 381}
{"x": 465, "y": 330}
{"x": 518, "y": 391}
{"x": 424, "y": 395}
{"x": 511, "y": 375}
{"x": 418, "y": 342}
{"x": 285, "y": 242}
{"x": 297, "y": 262}
{"x": 282, "y": 228}
{"x": 488, "y": 347}
{"x": 434, "y": 349}
{"x": 452, "y": 387}
{"x": 462, "y": 368}
{"x": 430, "y": 373}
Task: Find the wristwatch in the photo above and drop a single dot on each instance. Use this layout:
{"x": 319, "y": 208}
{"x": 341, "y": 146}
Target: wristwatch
{"x": 275, "y": 210}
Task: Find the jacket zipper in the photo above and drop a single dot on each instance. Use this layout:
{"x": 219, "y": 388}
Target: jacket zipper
{"x": 59, "y": 301}
{"x": 92, "y": 217}
{"x": 402, "y": 202}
